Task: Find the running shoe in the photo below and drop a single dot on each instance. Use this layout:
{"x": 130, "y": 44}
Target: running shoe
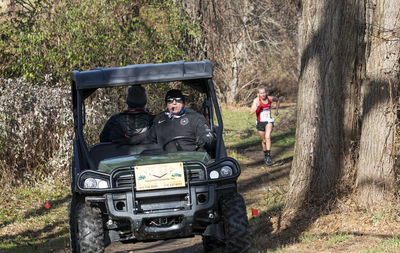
{"x": 268, "y": 160}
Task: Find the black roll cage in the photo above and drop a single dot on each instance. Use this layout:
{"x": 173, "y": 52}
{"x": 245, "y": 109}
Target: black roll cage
{"x": 198, "y": 75}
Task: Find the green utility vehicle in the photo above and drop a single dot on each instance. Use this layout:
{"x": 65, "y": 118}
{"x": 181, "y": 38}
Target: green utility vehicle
{"x": 128, "y": 193}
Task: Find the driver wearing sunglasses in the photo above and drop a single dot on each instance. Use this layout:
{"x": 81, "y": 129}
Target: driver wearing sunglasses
{"x": 177, "y": 120}
{"x": 177, "y": 100}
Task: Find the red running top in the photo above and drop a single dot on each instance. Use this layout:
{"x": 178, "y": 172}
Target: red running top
{"x": 262, "y": 107}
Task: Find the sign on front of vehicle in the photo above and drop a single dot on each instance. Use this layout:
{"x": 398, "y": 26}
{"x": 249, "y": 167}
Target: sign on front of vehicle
{"x": 159, "y": 176}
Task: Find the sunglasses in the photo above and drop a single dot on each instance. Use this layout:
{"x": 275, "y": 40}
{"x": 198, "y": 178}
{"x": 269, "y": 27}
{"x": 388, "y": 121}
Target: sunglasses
{"x": 171, "y": 100}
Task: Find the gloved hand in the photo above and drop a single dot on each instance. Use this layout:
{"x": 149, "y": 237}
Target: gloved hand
{"x": 200, "y": 143}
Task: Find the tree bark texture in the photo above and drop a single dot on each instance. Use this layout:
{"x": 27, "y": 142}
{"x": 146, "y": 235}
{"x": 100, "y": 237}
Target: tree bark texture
{"x": 345, "y": 128}
{"x": 375, "y": 176}
{"x": 329, "y": 46}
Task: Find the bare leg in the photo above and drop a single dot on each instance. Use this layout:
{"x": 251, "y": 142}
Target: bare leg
{"x": 263, "y": 143}
{"x": 268, "y": 130}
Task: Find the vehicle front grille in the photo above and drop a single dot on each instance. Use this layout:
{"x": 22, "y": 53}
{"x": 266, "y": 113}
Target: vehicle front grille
{"x": 124, "y": 180}
{"x": 195, "y": 175}
{"x": 127, "y": 178}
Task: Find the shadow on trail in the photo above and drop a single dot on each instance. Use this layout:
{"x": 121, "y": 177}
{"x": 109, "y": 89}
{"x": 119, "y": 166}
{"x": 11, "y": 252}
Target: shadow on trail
{"x": 262, "y": 227}
{"x": 166, "y": 246}
{"x": 256, "y": 143}
{"x": 277, "y": 152}
{"x": 29, "y": 239}
{"x": 263, "y": 178}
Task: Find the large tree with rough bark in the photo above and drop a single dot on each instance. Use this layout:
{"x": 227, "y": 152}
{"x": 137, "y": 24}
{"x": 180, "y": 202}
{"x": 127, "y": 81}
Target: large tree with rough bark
{"x": 347, "y": 99}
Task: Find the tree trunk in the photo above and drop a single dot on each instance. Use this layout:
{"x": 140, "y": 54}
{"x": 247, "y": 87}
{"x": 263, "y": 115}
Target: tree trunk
{"x": 375, "y": 177}
{"x": 346, "y": 123}
{"x": 317, "y": 156}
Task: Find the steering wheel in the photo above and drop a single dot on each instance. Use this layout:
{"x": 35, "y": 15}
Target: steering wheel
{"x": 178, "y": 147}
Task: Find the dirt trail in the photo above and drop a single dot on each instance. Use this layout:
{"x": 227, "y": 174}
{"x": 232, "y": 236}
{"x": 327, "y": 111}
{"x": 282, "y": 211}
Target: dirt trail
{"x": 184, "y": 245}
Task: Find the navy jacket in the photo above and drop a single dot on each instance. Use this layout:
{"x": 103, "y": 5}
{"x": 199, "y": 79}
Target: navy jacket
{"x": 189, "y": 124}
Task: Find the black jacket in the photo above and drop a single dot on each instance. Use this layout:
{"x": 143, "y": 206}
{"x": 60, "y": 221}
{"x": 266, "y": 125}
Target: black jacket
{"x": 126, "y": 124}
{"x": 190, "y": 124}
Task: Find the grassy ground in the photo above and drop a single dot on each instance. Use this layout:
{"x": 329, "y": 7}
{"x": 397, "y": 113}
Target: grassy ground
{"x": 27, "y": 224}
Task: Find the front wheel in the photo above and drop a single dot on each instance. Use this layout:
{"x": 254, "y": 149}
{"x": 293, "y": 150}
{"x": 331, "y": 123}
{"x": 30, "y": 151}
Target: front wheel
{"x": 86, "y": 227}
{"x": 236, "y": 224}
{"x": 236, "y": 228}
{"x": 211, "y": 244}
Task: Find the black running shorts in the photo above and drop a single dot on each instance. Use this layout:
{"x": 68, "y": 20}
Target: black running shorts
{"x": 261, "y": 125}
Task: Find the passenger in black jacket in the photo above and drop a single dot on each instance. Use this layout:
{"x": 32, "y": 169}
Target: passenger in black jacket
{"x": 135, "y": 121}
{"x": 177, "y": 120}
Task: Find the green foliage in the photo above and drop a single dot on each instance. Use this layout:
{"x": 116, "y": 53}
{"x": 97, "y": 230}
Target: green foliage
{"x": 311, "y": 237}
{"x": 239, "y": 128}
{"x": 340, "y": 237}
{"x": 393, "y": 242}
{"x": 45, "y": 37}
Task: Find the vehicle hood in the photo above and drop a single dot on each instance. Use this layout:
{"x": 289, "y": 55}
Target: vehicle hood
{"x": 108, "y": 165}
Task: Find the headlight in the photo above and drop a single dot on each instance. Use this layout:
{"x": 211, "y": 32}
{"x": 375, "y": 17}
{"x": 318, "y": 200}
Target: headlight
{"x": 214, "y": 174}
{"x": 95, "y": 183}
{"x": 226, "y": 171}
{"x": 90, "y": 183}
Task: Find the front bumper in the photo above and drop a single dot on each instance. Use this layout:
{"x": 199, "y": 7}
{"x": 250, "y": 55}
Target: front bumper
{"x": 162, "y": 213}
{"x": 168, "y": 213}
{"x": 146, "y": 211}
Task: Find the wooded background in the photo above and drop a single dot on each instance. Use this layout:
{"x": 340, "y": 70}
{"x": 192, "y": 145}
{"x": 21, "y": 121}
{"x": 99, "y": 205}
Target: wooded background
{"x": 341, "y": 56}
{"x": 249, "y": 42}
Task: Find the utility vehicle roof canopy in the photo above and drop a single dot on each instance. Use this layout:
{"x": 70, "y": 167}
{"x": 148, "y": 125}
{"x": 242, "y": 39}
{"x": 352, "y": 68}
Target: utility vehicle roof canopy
{"x": 198, "y": 75}
{"x": 141, "y": 74}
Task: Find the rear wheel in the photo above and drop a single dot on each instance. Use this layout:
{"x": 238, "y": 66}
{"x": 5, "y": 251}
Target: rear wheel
{"x": 86, "y": 226}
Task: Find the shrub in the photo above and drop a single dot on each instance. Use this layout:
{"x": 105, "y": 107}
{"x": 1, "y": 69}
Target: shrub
{"x": 35, "y": 134}
{"x": 37, "y": 125}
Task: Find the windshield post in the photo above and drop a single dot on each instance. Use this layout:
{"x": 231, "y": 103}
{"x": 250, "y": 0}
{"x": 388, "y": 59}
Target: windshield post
{"x": 81, "y": 139}
{"x": 219, "y": 119}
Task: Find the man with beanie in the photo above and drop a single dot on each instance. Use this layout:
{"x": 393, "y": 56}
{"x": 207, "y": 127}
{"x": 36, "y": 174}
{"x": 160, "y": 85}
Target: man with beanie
{"x": 134, "y": 121}
{"x": 177, "y": 120}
